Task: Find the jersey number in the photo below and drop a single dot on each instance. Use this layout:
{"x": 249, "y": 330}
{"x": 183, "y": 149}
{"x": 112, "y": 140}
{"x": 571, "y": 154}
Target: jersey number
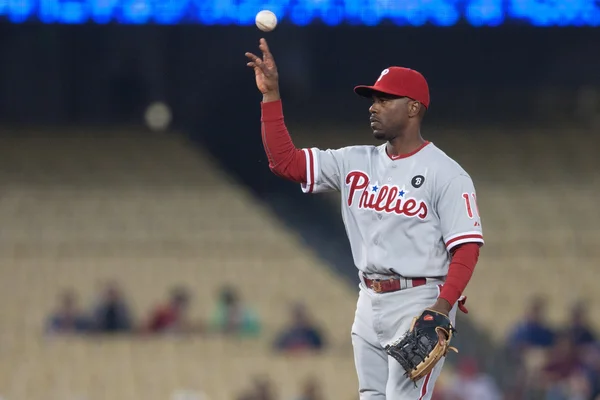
{"x": 468, "y": 204}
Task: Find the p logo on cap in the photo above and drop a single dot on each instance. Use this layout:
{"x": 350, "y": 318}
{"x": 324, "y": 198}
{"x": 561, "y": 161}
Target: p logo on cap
{"x": 383, "y": 73}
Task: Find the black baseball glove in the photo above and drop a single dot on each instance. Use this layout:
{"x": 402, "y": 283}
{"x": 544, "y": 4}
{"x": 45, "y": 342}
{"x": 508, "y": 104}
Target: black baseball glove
{"x": 420, "y": 349}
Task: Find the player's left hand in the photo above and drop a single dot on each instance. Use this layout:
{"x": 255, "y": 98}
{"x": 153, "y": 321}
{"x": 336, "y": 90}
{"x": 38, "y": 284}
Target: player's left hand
{"x": 443, "y": 307}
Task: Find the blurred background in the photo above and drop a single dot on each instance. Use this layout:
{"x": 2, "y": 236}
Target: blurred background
{"x": 147, "y": 252}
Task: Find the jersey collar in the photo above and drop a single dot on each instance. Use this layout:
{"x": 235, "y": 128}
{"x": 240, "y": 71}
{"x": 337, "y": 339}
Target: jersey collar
{"x": 401, "y": 156}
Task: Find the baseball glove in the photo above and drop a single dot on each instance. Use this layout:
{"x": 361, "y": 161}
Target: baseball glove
{"x": 419, "y": 350}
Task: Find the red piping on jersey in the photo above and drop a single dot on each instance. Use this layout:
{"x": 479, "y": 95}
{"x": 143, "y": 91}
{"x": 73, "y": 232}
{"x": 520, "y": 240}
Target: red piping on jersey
{"x": 406, "y": 155}
{"x": 464, "y": 259}
{"x": 285, "y": 160}
{"x": 425, "y": 384}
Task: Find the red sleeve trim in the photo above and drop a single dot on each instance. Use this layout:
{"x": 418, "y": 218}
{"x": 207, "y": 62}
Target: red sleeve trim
{"x": 462, "y": 238}
{"x": 310, "y": 171}
{"x": 461, "y": 269}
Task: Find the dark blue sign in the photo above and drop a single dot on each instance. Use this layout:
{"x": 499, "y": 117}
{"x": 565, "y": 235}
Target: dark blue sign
{"x": 303, "y": 12}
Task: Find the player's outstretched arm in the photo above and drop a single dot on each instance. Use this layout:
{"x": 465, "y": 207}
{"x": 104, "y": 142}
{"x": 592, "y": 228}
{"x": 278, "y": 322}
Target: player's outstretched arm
{"x": 285, "y": 159}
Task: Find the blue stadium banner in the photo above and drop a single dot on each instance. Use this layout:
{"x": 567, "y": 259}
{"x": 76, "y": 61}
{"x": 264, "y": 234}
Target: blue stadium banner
{"x": 443, "y": 13}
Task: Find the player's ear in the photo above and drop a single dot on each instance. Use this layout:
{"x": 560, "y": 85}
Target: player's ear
{"x": 414, "y": 108}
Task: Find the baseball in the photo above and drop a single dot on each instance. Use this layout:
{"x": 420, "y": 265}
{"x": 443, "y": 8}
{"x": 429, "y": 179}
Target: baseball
{"x": 266, "y": 21}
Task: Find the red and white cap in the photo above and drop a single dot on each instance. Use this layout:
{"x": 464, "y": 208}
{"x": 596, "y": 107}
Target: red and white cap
{"x": 399, "y": 81}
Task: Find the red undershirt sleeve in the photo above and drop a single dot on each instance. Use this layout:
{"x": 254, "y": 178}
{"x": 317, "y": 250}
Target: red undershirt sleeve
{"x": 464, "y": 259}
{"x": 285, "y": 160}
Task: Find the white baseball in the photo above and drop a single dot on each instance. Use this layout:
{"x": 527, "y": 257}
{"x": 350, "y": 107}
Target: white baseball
{"x": 266, "y": 21}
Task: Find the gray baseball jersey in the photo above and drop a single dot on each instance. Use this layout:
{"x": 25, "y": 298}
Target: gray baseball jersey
{"x": 402, "y": 214}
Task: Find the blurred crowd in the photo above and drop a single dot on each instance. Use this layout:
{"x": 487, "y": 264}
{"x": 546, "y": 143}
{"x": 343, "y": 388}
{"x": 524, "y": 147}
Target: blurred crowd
{"x": 231, "y": 316}
{"x": 557, "y": 364}
{"x": 111, "y": 314}
{"x": 547, "y": 362}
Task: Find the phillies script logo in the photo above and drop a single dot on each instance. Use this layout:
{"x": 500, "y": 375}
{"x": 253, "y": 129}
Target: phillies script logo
{"x": 383, "y": 198}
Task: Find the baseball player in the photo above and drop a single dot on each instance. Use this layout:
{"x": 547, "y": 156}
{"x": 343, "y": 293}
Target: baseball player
{"x": 410, "y": 213}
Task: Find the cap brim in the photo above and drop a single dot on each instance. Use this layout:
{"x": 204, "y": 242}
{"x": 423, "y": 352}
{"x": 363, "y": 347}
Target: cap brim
{"x": 368, "y": 91}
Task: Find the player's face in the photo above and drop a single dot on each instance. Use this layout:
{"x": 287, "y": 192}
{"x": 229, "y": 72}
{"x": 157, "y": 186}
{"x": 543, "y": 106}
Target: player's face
{"x": 389, "y": 115}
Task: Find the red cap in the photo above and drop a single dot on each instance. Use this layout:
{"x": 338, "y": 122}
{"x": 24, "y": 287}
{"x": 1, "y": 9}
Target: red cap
{"x": 399, "y": 81}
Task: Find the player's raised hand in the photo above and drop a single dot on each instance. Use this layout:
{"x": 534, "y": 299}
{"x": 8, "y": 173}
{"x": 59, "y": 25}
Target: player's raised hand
{"x": 265, "y": 71}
